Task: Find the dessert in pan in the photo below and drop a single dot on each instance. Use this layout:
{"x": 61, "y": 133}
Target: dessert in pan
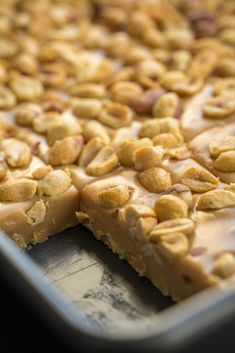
{"x": 120, "y": 115}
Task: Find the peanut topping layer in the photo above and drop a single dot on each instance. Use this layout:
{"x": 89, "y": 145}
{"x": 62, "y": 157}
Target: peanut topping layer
{"x": 123, "y": 113}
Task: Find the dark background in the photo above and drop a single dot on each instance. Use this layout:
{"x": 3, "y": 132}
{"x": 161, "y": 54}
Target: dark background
{"x": 22, "y": 331}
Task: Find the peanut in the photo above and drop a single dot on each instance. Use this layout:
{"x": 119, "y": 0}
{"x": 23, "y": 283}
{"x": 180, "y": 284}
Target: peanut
{"x": 37, "y": 213}
{"x": 41, "y": 172}
{"x": 221, "y": 144}
{"x": 17, "y": 154}
{"x": 127, "y": 149}
{"x": 54, "y": 184}
{"x": 105, "y": 161}
{"x": 172, "y": 245}
{"x": 166, "y": 106}
{"x": 115, "y": 115}
{"x": 88, "y": 90}
{"x": 88, "y": 108}
{"x": 25, "y": 113}
{"x": 95, "y": 129}
{"x": 3, "y": 170}
{"x": 199, "y": 180}
{"x": 90, "y": 150}
{"x": 166, "y": 140}
{"x": 224, "y": 265}
{"x": 216, "y": 199}
{"x": 132, "y": 213}
{"x": 219, "y": 107}
{"x": 114, "y": 196}
{"x": 182, "y": 191}
{"x": 226, "y": 162}
{"x": 170, "y": 207}
{"x": 18, "y": 190}
{"x": 7, "y": 98}
{"x": 156, "y": 126}
{"x": 65, "y": 151}
{"x": 147, "y": 157}
{"x": 155, "y": 179}
{"x": 26, "y": 88}
{"x": 182, "y": 225}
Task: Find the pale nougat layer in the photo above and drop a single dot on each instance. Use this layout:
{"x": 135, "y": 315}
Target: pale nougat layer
{"x": 120, "y": 115}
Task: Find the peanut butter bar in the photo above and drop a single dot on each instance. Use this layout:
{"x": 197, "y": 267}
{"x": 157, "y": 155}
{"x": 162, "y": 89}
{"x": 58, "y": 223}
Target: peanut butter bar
{"x": 120, "y": 115}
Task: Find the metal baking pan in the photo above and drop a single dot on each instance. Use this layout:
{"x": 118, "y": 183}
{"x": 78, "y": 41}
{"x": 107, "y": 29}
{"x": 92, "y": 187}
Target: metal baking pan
{"x": 97, "y": 302}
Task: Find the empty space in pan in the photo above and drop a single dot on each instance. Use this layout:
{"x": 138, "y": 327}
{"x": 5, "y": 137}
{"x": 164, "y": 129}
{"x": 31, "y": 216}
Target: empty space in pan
{"x": 109, "y": 292}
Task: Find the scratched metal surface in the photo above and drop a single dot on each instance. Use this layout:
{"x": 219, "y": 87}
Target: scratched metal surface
{"x": 106, "y": 289}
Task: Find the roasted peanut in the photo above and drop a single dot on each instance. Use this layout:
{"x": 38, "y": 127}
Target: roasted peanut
{"x": 173, "y": 245}
{"x": 43, "y": 122}
{"x": 52, "y": 75}
{"x": 90, "y": 150}
{"x": 88, "y": 108}
{"x": 182, "y": 225}
{"x": 37, "y": 213}
{"x": 221, "y": 144}
{"x": 226, "y": 162}
{"x": 182, "y": 191}
{"x": 166, "y": 106}
{"x": 127, "y": 149}
{"x": 25, "y": 113}
{"x": 65, "y": 151}
{"x": 166, "y": 140}
{"x": 155, "y": 179}
{"x": 216, "y": 199}
{"x": 18, "y": 190}
{"x": 26, "y": 88}
{"x": 147, "y": 157}
{"x": 8, "y": 48}
{"x": 3, "y": 170}
{"x": 95, "y": 129}
{"x": 171, "y": 78}
{"x": 179, "y": 60}
{"x": 179, "y": 38}
{"x": 225, "y": 67}
{"x": 41, "y": 172}
{"x": 26, "y": 64}
{"x": 7, "y": 98}
{"x": 68, "y": 126}
{"x": 219, "y": 107}
{"x": 225, "y": 87}
{"x": 143, "y": 103}
{"x": 150, "y": 129}
{"x": 115, "y": 115}
{"x": 54, "y": 184}
{"x": 125, "y": 91}
{"x": 227, "y": 35}
{"x": 199, "y": 180}
{"x": 132, "y": 213}
{"x": 179, "y": 153}
{"x": 88, "y": 90}
{"x": 170, "y": 207}
{"x": 224, "y": 265}
{"x": 17, "y": 154}
{"x": 114, "y": 196}
{"x": 105, "y": 161}
{"x": 148, "y": 73}
{"x": 179, "y": 83}
{"x": 156, "y": 126}
{"x": 143, "y": 227}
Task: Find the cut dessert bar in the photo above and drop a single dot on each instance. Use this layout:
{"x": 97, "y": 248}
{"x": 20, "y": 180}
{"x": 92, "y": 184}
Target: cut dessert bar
{"x": 120, "y": 115}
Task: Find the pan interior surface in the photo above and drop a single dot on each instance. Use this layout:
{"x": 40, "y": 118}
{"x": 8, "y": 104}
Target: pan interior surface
{"x": 108, "y": 291}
